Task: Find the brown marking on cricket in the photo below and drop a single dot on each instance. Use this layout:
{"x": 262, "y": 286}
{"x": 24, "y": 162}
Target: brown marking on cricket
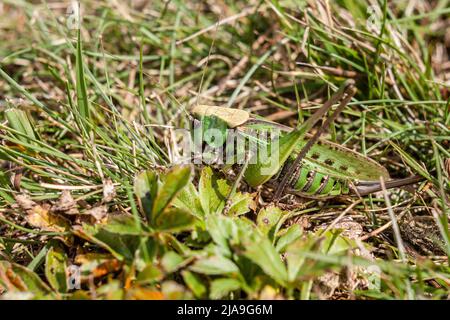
{"x": 343, "y": 168}
{"x": 311, "y": 176}
{"x": 281, "y": 173}
{"x": 315, "y": 156}
{"x": 332, "y": 147}
{"x": 295, "y": 175}
{"x": 323, "y": 183}
{"x": 329, "y": 162}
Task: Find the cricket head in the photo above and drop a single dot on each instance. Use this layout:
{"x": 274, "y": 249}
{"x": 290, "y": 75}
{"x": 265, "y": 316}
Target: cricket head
{"x": 213, "y": 128}
{"x": 224, "y": 130}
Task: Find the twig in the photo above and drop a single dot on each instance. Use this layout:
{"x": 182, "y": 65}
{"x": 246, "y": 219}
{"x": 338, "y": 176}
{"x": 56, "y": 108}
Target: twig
{"x": 338, "y": 218}
{"x": 395, "y": 228}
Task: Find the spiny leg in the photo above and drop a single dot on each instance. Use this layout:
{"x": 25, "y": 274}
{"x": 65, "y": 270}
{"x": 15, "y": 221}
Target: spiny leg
{"x": 346, "y": 92}
{"x": 236, "y": 183}
{"x": 365, "y": 189}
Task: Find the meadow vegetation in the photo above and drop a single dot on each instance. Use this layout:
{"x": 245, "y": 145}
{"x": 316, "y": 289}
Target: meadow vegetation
{"x": 92, "y": 205}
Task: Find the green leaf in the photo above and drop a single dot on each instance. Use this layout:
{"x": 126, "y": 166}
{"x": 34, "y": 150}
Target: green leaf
{"x": 295, "y": 260}
{"x": 222, "y": 230}
{"x": 194, "y": 283}
{"x": 122, "y": 246}
{"x": 55, "y": 269}
{"x": 227, "y": 232}
{"x": 19, "y": 121}
{"x": 293, "y": 233}
{"x": 260, "y": 250}
{"x": 268, "y": 219}
{"x": 16, "y": 278}
{"x": 214, "y": 265}
{"x": 83, "y": 103}
{"x": 171, "y": 261}
{"x": 145, "y": 189}
{"x": 222, "y": 287}
{"x": 175, "y": 180}
{"x": 189, "y": 200}
{"x": 174, "y": 220}
{"x": 211, "y": 197}
{"x": 213, "y": 192}
{"x": 334, "y": 243}
{"x": 240, "y": 204}
{"x": 149, "y": 274}
{"x": 122, "y": 224}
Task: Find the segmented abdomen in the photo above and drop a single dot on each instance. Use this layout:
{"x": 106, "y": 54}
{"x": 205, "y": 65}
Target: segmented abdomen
{"x": 310, "y": 182}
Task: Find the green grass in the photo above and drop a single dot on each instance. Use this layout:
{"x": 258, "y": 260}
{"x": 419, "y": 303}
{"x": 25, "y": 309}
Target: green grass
{"x": 99, "y": 107}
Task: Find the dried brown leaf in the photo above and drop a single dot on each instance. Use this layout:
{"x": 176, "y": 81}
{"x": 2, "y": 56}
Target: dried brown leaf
{"x": 24, "y": 201}
{"x": 109, "y": 192}
{"x": 66, "y": 204}
{"x": 350, "y": 228}
{"x": 98, "y": 212}
{"x": 40, "y": 217}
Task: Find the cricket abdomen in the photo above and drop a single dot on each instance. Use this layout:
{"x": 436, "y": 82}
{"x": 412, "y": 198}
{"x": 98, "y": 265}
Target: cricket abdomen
{"x": 308, "y": 181}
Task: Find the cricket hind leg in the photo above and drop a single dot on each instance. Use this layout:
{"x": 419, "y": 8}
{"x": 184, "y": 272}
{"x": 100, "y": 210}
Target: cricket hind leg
{"x": 365, "y": 188}
{"x": 344, "y": 94}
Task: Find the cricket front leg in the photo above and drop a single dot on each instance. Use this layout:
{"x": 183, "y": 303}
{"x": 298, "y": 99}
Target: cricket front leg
{"x": 236, "y": 184}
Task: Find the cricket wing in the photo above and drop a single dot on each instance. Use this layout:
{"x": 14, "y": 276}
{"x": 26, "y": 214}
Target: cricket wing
{"x": 233, "y": 117}
{"x": 337, "y": 161}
